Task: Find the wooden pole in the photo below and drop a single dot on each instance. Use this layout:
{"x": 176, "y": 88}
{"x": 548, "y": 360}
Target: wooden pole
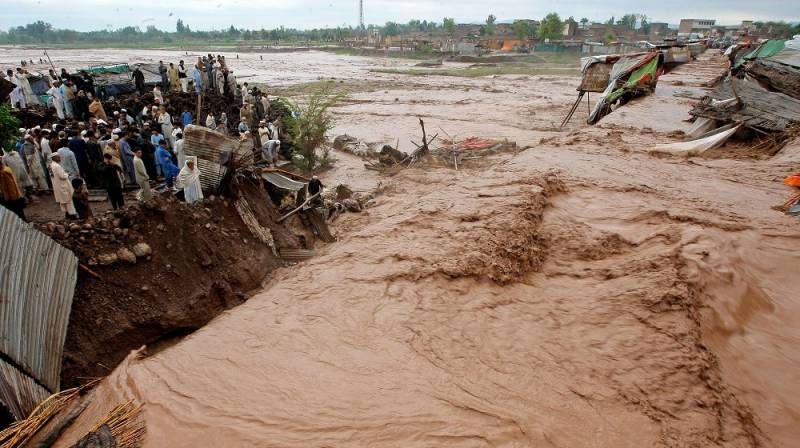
{"x": 50, "y": 61}
{"x": 199, "y": 107}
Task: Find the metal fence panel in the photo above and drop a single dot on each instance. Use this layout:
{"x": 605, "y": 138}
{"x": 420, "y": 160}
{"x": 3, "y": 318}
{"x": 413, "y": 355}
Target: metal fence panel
{"x": 37, "y": 282}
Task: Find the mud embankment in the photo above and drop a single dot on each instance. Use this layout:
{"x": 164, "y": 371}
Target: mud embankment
{"x": 160, "y": 271}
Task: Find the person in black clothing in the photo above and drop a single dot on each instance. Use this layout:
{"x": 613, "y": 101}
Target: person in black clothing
{"x": 95, "y": 156}
{"x": 81, "y": 104}
{"x": 138, "y": 79}
{"x": 80, "y": 198}
{"x": 112, "y": 181}
{"x": 142, "y": 141}
{"x": 314, "y": 187}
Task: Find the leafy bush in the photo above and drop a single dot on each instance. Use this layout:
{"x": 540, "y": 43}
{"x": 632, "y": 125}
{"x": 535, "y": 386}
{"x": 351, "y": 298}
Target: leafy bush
{"x": 9, "y": 127}
{"x": 312, "y": 121}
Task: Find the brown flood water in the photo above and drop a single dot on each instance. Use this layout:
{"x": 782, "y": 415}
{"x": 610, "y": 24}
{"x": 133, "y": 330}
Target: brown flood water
{"x": 578, "y": 293}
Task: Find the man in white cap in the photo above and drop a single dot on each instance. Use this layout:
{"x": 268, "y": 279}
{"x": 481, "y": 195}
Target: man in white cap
{"x": 263, "y": 131}
{"x": 62, "y": 187}
{"x": 58, "y": 99}
{"x": 270, "y": 151}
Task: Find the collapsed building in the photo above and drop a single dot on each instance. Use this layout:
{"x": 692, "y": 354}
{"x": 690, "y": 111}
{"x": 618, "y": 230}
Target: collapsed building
{"x": 758, "y": 100}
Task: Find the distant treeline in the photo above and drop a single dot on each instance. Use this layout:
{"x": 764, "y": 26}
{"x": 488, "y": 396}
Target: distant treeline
{"x": 41, "y": 32}
{"x": 551, "y": 26}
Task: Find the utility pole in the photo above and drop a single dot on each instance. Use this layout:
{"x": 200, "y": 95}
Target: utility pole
{"x": 361, "y": 14}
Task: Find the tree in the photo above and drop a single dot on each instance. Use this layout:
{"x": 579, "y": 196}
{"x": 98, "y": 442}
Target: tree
{"x": 584, "y": 21}
{"x": 490, "y": 26}
{"x": 610, "y": 21}
{"x": 629, "y": 20}
{"x": 522, "y": 29}
{"x": 609, "y": 37}
{"x": 312, "y": 124}
{"x": 179, "y": 28}
{"x": 449, "y": 25}
{"x": 551, "y": 27}
{"x": 39, "y": 30}
{"x": 391, "y": 29}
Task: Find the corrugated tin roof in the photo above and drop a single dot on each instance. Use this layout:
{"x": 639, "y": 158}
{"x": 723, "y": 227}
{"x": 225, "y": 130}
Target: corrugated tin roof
{"x": 208, "y": 146}
{"x": 282, "y": 181}
{"x": 37, "y": 282}
{"x": 19, "y": 392}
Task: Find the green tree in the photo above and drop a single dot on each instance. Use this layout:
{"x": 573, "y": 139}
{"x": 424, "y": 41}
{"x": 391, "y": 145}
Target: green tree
{"x": 584, "y": 21}
{"x": 522, "y": 29}
{"x": 391, "y": 29}
{"x": 551, "y": 27}
{"x": 313, "y": 122}
{"x": 609, "y": 37}
{"x": 449, "y": 25}
{"x": 39, "y": 30}
{"x": 179, "y": 28}
{"x": 629, "y": 20}
{"x": 490, "y": 24}
{"x": 9, "y": 127}
{"x": 610, "y": 21}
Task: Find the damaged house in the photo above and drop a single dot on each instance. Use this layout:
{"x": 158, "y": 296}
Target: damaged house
{"x": 759, "y": 99}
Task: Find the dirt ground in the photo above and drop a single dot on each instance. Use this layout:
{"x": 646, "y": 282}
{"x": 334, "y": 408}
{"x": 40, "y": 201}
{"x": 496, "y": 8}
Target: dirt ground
{"x": 579, "y": 292}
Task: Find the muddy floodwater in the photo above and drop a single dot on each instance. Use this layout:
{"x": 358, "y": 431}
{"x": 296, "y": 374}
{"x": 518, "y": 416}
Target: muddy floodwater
{"x": 577, "y": 293}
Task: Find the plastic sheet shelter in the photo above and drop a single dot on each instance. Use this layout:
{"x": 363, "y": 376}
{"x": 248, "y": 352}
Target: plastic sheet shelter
{"x": 631, "y": 75}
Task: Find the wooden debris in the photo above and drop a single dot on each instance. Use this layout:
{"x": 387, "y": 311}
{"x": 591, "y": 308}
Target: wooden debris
{"x": 125, "y": 425}
{"x": 20, "y": 432}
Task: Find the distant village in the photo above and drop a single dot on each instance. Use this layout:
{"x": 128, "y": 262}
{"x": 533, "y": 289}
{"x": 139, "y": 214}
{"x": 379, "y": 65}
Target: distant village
{"x": 613, "y": 36}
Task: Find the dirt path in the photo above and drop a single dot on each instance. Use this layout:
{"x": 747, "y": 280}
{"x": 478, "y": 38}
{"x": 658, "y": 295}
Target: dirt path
{"x": 579, "y": 293}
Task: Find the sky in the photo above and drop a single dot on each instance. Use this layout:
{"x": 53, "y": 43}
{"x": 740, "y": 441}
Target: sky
{"x": 87, "y": 15}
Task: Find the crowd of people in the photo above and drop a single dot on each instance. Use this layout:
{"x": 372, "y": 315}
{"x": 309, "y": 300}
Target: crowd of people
{"x": 87, "y": 147}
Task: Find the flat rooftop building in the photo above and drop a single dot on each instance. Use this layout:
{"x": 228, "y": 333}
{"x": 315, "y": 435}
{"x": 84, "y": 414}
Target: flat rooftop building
{"x": 689, "y": 26}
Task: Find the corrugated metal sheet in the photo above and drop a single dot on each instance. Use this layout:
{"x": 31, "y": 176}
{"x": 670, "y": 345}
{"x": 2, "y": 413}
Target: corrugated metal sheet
{"x": 208, "y": 146}
{"x": 282, "y": 181}
{"x": 19, "y": 392}
{"x": 37, "y": 282}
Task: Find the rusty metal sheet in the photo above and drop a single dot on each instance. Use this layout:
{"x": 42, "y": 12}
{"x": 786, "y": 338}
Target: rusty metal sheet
{"x": 19, "y": 392}
{"x": 37, "y": 282}
{"x": 208, "y": 146}
{"x": 595, "y": 77}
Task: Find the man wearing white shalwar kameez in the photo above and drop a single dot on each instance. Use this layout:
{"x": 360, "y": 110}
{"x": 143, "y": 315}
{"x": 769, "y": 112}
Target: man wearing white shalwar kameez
{"x": 62, "y": 187}
{"x": 165, "y": 120}
{"x": 189, "y": 181}
{"x": 58, "y": 99}
{"x": 16, "y": 96}
{"x": 25, "y": 85}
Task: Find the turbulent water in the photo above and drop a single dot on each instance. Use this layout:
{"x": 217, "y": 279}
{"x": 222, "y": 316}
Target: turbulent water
{"x": 577, "y": 293}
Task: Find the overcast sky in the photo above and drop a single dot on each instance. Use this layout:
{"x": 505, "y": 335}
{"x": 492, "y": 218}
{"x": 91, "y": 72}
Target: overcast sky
{"x": 87, "y": 15}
